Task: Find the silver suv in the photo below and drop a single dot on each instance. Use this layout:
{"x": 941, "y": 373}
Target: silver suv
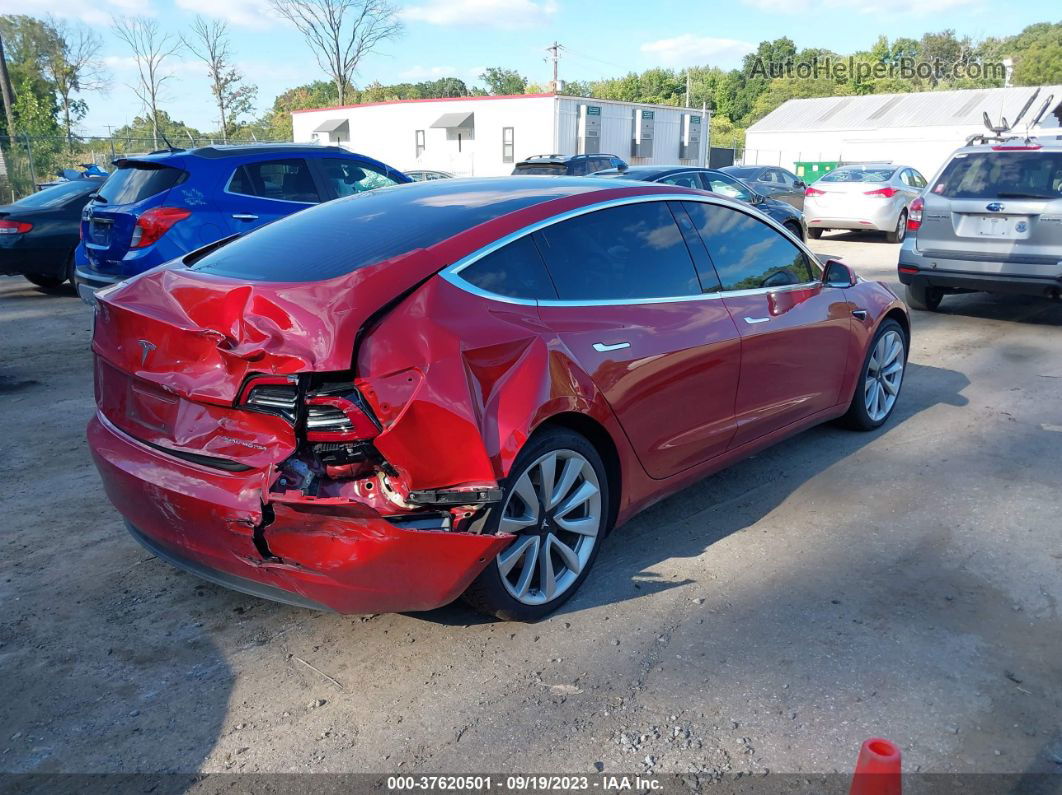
{"x": 991, "y": 222}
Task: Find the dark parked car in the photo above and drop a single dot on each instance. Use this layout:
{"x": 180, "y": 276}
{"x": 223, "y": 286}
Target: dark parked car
{"x": 778, "y": 183}
{"x": 568, "y": 165}
{"x": 156, "y": 207}
{"x": 717, "y": 182}
{"x": 39, "y": 233}
{"x": 460, "y": 386}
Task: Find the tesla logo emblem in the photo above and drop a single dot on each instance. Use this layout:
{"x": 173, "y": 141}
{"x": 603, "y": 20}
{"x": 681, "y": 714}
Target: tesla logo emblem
{"x": 994, "y": 207}
{"x": 145, "y": 348}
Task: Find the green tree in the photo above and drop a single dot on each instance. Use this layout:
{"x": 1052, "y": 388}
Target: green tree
{"x": 503, "y": 81}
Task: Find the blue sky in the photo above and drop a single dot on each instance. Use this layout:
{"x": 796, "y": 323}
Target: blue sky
{"x": 461, "y": 37}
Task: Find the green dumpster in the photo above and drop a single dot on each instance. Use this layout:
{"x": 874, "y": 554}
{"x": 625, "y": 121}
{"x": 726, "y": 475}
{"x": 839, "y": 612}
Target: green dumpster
{"x": 811, "y": 170}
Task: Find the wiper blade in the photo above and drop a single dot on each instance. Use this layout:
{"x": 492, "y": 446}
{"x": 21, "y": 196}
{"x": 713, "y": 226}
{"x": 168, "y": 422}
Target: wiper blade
{"x": 1006, "y": 195}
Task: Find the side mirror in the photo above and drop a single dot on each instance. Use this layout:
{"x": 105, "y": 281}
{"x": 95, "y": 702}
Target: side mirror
{"x": 801, "y": 184}
{"x": 837, "y": 274}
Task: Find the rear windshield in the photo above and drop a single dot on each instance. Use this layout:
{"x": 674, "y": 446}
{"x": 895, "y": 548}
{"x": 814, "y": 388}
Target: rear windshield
{"x": 345, "y": 234}
{"x": 1001, "y": 175}
{"x": 57, "y": 195}
{"x": 134, "y": 182}
{"x": 551, "y": 168}
{"x": 742, "y": 172}
{"x": 860, "y": 174}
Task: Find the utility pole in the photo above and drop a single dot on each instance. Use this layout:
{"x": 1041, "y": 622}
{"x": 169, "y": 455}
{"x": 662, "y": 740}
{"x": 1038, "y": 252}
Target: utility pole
{"x": 554, "y": 52}
{"x": 687, "y": 87}
{"x": 8, "y": 94}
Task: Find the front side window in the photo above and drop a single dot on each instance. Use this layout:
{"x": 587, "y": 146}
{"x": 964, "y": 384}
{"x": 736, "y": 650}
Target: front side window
{"x": 282, "y": 180}
{"x": 507, "y": 145}
{"x": 347, "y": 177}
{"x": 628, "y": 252}
{"x": 515, "y": 270}
{"x": 747, "y": 253}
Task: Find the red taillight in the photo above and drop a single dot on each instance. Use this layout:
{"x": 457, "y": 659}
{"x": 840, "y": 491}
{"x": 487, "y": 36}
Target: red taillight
{"x": 914, "y": 214}
{"x": 908, "y": 269}
{"x": 814, "y": 192}
{"x": 155, "y": 223}
{"x": 882, "y": 193}
{"x": 331, "y": 418}
{"x": 14, "y": 227}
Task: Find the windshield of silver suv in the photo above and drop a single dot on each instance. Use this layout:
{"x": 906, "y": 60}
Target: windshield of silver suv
{"x": 1028, "y": 174}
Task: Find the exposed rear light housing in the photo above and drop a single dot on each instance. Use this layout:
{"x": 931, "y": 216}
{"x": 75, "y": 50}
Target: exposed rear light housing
{"x": 155, "y": 223}
{"x": 271, "y": 394}
{"x": 814, "y": 192}
{"x": 881, "y": 193}
{"x": 14, "y": 227}
{"x": 914, "y": 214}
{"x": 338, "y": 418}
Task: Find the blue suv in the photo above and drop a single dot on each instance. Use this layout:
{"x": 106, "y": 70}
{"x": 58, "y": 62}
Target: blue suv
{"x": 156, "y": 207}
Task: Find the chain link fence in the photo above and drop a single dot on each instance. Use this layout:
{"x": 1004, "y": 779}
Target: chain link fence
{"x": 28, "y": 162}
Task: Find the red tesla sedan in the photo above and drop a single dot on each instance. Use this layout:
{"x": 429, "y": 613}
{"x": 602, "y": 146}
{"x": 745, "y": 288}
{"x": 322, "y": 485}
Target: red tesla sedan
{"x": 460, "y": 386}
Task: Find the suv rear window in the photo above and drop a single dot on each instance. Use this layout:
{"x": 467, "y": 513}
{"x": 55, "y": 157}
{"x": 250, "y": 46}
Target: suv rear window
{"x": 992, "y": 175}
{"x": 133, "y": 182}
{"x": 545, "y": 168}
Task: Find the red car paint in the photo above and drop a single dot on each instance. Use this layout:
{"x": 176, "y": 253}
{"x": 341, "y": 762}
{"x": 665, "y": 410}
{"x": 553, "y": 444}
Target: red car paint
{"x": 457, "y": 383}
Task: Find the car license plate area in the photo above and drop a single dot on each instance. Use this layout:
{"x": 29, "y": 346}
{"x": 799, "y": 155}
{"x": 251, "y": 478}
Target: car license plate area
{"x": 998, "y": 227}
{"x": 100, "y": 232}
{"x": 150, "y": 409}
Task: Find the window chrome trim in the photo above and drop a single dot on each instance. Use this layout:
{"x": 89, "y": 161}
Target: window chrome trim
{"x": 452, "y": 272}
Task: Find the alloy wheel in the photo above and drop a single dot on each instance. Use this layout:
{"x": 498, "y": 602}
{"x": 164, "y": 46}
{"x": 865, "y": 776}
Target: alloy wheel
{"x": 554, "y": 510}
{"x": 881, "y": 384}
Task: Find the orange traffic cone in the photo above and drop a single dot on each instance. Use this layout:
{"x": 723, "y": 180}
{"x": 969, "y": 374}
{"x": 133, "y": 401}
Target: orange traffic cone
{"x": 877, "y": 770}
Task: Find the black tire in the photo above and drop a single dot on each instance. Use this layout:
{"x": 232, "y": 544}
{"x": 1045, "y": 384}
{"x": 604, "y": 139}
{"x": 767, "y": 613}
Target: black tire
{"x": 857, "y": 417}
{"x": 487, "y": 593}
{"x": 923, "y": 297}
{"x": 45, "y": 282}
{"x": 815, "y": 233}
{"x": 900, "y": 232}
{"x": 794, "y": 229}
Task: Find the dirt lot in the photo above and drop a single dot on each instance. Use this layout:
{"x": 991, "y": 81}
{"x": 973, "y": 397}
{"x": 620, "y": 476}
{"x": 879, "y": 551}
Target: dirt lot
{"x": 904, "y": 583}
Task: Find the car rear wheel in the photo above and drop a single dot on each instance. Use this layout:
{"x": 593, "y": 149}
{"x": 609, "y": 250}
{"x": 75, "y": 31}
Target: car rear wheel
{"x": 900, "y": 232}
{"x": 880, "y": 379}
{"x": 815, "y": 234}
{"x": 556, "y": 504}
{"x": 924, "y": 297}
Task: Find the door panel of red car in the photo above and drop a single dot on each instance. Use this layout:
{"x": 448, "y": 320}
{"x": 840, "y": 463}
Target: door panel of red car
{"x": 794, "y": 330}
{"x": 633, "y": 315}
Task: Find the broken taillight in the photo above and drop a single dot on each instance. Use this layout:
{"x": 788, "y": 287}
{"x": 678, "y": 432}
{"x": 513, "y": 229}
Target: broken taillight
{"x": 271, "y": 394}
{"x": 338, "y": 418}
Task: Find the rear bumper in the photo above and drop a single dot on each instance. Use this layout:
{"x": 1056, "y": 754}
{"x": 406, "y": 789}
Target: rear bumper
{"x": 89, "y": 282}
{"x": 16, "y": 260}
{"x": 881, "y": 219}
{"x": 977, "y": 275}
{"x": 345, "y": 558}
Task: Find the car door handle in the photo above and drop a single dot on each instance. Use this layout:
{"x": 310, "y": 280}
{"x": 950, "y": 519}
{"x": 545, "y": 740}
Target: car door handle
{"x": 245, "y": 217}
{"x": 601, "y": 347}
{"x": 859, "y": 313}
{"x": 752, "y": 321}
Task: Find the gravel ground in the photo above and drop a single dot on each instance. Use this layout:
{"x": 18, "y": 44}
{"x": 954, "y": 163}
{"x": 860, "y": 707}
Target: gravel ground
{"x": 902, "y": 583}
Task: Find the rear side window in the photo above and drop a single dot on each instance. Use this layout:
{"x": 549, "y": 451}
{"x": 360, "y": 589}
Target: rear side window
{"x": 282, "y": 180}
{"x": 687, "y": 180}
{"x": 515, "y": 270}
{"x": 992, "y": 175}
{"x": 134, "y": 182}
{"x": 747, "y": 253}
{"x": 348, "y": 177}
{"x": 630, "y": 251}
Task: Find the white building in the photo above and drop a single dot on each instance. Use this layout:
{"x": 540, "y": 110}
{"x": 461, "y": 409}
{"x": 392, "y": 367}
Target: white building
{"x": 486, "y": 136}
{"x": 918, "y": 130}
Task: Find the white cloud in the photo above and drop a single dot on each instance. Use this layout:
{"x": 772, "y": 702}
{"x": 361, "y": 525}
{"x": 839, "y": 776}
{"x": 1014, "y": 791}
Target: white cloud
{"x": 92, "y": 13}
{"x": 256, "y": 14}
{"x": 503, "y": 14}
{"x": 896, "y": 8}
{"x": 690, "y": 50}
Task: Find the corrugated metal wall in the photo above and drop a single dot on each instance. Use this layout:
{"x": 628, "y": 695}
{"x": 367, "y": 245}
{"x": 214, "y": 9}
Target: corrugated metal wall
{"x": 617, "y": 126}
